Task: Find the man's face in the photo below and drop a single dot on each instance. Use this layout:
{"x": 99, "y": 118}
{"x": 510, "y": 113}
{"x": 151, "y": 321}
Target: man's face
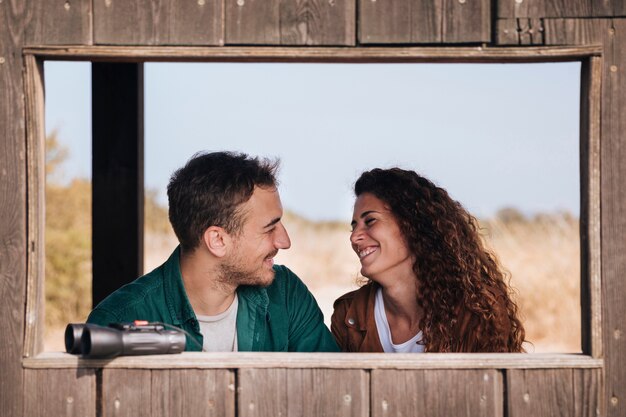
{"x": 251, "y": 258}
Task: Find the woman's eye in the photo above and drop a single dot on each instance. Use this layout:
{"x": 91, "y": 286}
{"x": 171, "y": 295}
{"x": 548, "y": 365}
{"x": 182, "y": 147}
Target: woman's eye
{"x": 369, "y": 221}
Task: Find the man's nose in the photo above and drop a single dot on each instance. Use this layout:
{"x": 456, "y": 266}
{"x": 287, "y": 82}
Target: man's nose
{"x": 282, "y": 240}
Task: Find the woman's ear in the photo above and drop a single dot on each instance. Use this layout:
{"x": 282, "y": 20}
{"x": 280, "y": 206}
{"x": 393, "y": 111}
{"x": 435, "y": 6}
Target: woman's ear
{"x": 216, "y": 240}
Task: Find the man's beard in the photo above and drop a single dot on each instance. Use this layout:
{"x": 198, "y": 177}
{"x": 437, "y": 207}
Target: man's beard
{"x": 232, "y": 273}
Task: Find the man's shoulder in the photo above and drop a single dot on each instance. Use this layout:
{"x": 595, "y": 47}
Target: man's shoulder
{"x": 131, "y": 299}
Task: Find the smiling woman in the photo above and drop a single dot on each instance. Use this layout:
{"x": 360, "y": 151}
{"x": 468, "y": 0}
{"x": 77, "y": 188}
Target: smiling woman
{"x": 433, "y": 288}
{"x": 328, "y": 122}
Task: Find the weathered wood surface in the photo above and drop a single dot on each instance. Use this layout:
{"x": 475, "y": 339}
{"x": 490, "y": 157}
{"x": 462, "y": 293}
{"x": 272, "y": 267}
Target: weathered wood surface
{"x": 60, "y": 393}
{"x": 13, "y": 253}
{"x": 424, "y": 21}
{"x": 290, "y": 22}
{"x": 313, "y": 54}
{"x": 182, "y": 392}
{"x": 437, "y": 393}
{"x": 522, "y": 31}
{"x": 560, "y": 8}
{"x": 193, "y": 393}
{"x": 302, "y": 360}
{"x": 303, "y": 392}
{"x": 35, "y": 147}
{"x": 117, "y": 148}
{"x": 590, "y": 224}
{"x": 59, "y": 22}
{"x": 612, "y": 35}
{"x": 158, "y": 22}
{"x": 554, "y": 392}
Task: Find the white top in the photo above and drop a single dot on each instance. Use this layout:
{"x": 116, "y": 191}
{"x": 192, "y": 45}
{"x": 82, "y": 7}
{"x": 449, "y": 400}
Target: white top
{"x": 220, "y": 331}
{"x": 384, "y": 333}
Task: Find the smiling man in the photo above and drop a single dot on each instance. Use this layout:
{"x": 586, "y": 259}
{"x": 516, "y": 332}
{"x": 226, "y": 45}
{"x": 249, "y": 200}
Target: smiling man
{"x": 221, "y": 284}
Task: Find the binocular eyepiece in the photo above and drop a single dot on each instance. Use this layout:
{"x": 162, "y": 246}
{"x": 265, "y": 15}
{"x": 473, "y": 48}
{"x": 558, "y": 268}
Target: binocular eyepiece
{"x": 136, "y": 338}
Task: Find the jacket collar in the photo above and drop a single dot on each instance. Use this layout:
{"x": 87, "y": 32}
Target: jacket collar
{"x": 175, "y": 295}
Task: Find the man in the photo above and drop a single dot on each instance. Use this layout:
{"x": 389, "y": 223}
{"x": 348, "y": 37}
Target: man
{"x": 221, "y": 285}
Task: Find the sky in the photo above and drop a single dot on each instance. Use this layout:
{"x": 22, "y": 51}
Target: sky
{"x": 493, "y": 135}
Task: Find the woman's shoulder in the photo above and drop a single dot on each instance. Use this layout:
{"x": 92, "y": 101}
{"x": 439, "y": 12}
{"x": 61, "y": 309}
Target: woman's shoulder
{"x": 360, "y": 294}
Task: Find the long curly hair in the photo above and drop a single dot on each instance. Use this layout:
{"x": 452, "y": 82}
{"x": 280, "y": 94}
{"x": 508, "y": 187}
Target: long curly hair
{"x": 462, "y": 290}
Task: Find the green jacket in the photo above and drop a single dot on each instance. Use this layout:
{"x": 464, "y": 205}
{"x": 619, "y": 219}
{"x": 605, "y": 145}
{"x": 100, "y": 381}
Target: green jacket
{"x": 283, "y": 317}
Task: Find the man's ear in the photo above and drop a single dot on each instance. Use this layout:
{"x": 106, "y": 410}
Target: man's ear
{"x": 216, "y": 240}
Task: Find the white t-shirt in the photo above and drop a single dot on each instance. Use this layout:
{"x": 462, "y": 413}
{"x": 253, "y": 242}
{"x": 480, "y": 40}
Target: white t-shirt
{"x": 220, "y": 331}
{"x": 384, "y": 333}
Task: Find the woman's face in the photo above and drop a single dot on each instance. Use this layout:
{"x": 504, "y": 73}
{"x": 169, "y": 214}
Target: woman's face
{"x": 378, "y": 242}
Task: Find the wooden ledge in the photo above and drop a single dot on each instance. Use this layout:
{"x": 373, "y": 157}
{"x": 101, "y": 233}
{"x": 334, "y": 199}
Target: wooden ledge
{"x": 199, "y": 360}
{"x": 313, "y": 54}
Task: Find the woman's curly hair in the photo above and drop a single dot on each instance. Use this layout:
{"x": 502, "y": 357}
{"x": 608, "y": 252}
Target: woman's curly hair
{"x": 462, "y": 290}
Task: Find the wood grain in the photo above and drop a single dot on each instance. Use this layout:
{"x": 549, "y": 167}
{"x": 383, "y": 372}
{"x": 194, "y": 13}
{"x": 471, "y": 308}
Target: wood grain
{"x": 590, "y": 222}
{"x": 158, "y": 22}
{"x": 13, "y": 238}
{"x": 523, "y": 31}
{"x": 315, "y": 54}
{"x": 437, "y": 393}
{"x": 290, "y": 22}
{"x": 59, "y": 22}
{"x": 302, "y": 360}
{"x": 554, "y": 392}
{"x": 611, "y": 34}
{"x": 303, "y": 392}
{"x": 193, "y": 392}
{"x": 126, "y": 393}
{"x": 36, "y": 149}
{"x": 560, "y": 8}
{"x": 424, "y": 21}
{"x": 60, "y": 393}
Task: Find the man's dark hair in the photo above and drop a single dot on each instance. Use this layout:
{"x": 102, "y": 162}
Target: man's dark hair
{"x": 208, "y": 190}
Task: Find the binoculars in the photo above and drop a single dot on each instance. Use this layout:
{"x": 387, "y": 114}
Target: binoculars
{"x": 136, "y": 338}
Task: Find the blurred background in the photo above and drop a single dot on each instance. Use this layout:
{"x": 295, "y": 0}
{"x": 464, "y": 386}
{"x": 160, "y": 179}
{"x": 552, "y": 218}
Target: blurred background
{"x": 457, "y": 124}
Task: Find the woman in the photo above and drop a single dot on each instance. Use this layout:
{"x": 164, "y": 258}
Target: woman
{"x": 433, "y": 286}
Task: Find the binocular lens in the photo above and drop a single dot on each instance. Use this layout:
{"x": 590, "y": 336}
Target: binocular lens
{"x": 73, "y": 334}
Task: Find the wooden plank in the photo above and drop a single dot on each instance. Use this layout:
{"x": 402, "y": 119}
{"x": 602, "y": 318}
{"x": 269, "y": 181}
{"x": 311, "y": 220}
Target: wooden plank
{"x": 437, "y": 393}
{"x": 117, "y": 147}
{"x": 60, "y": 392}
{"x": 13, "y": 238}
{"x": 59, "y": 22}
{"x": 303, "y": 392}
{"x": 323, "y": 360}
{"x": 590, "y": 224}
{"x": 193, "y": 392}
{"x": 554, "y": 392}
{"x": 466, "y": 21}
{"x": 289, "y": 22}
{"x": 126, "y": 393}
{"x": 613, "y": 203}
{"x": 612, "y": 35}
{"x": 391, "y": 22}
{"x": 152, "y": 22}
{"x": 559, "y": 8}
{"x": 424, "y": 21}
{"x": 316, "y": 54}
{"x": 577, "y": 31}
{"x": 35, "y": 146}
{"x": 519, "y": 31}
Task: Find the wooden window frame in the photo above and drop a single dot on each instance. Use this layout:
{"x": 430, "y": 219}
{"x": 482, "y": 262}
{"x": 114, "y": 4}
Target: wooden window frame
{"x": 590, "y": 222}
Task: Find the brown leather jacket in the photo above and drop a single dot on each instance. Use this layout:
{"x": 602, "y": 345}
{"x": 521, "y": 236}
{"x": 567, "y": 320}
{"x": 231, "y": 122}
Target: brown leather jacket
{"x": 354, "y": 326}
